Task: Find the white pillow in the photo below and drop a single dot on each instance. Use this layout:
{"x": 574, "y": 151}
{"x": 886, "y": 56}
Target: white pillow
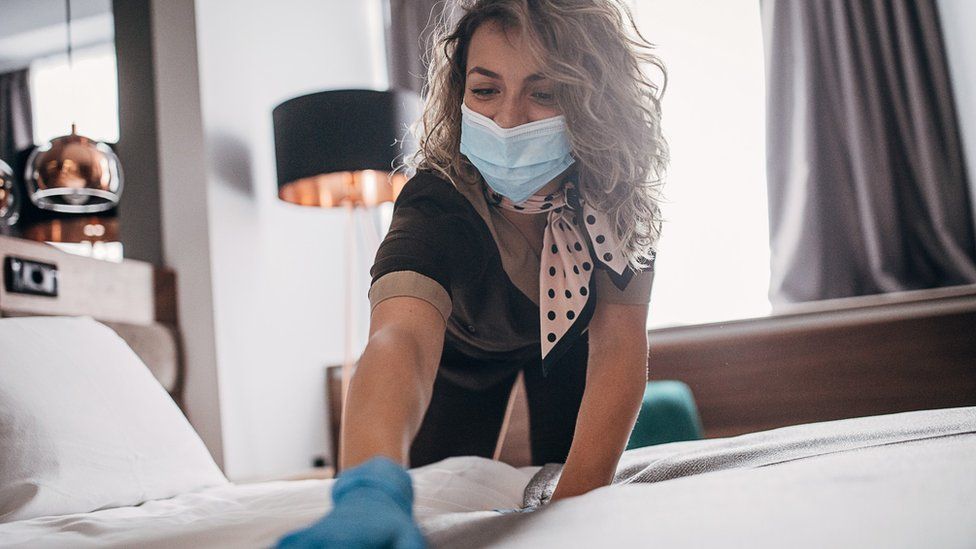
{"x": 84, "y": 425}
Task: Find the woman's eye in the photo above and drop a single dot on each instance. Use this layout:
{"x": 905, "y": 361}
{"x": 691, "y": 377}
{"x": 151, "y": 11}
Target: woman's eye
{"x": 543, "y": 97}
{"x": 482, "y": 92}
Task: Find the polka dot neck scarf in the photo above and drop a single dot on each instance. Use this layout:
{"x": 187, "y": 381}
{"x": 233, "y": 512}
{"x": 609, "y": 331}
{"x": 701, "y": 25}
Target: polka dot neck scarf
{"x": 567, "y": 264}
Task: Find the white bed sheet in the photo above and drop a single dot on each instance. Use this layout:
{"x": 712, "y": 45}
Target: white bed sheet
{"x": 913, "y": 493}
{"x": 256, "y": 515}
{"x": 908, "y": 495}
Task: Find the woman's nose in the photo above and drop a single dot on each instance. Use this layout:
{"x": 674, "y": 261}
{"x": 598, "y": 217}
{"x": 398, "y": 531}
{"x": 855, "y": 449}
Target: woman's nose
{"x": 510, "y": 114}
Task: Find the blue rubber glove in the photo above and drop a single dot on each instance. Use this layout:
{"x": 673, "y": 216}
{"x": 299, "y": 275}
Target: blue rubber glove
{"x": 373, "y": 507}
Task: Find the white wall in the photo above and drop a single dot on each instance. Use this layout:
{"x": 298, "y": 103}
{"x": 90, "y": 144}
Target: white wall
{"x": 276, "y": 270}
{"x": 957, "y": 17}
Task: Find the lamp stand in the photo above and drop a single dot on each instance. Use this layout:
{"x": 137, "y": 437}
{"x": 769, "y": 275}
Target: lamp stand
{"x": 351, "y": 289}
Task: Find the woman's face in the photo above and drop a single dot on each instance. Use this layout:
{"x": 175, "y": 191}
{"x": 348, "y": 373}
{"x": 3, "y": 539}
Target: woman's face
{"x": 503, "y": 82}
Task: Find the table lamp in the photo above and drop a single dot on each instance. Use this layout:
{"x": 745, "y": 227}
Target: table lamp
{"x": 337, "y": 149}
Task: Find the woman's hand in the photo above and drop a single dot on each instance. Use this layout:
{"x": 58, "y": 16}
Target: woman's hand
{"x": 373, "y": 507}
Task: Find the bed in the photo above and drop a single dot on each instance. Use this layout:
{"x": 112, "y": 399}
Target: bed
{"x": 917, "y": 492}
{"x": 896, "y": 479}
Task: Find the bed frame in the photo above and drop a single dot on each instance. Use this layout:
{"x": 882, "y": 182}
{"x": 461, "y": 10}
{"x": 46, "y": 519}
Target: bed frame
{"x": 134, "y": 298}
{"x": 810, "y": 362}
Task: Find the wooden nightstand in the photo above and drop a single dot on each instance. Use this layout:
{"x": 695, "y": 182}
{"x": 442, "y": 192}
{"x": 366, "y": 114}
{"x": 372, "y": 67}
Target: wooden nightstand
{"x": 333, "y": 395}
{"x": 317, "y": 473}
{"x": 312, "y": 473}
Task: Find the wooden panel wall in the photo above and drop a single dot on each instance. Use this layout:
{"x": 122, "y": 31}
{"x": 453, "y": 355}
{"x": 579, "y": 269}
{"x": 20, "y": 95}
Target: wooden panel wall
{"x": 815, "y": 362}
{"x": 762, "y": 380}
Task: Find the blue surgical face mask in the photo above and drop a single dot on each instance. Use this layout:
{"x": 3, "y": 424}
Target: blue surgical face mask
{"x": 515, "y": 162}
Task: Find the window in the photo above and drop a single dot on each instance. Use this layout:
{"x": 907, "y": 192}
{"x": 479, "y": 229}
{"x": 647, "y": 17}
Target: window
{"x": 713, "y": 260}
{"x": 87, "y": 94}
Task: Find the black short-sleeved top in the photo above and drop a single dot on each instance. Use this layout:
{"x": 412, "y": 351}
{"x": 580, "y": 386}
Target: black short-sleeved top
{"x": 448, "y": 246}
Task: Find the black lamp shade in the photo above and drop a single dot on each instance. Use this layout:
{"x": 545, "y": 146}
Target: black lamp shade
{"x": 339, "y": 131}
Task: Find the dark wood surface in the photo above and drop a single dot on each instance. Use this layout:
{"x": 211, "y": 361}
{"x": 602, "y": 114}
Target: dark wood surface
{"x": 164, "y": 292}
{"x": 333, "y": 389}
{"x": 814, "y": 362}
{"x": 767, "y": 379}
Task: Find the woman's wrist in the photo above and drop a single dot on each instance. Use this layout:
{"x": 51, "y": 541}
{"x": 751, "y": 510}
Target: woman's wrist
{"x": 578, "y": 480}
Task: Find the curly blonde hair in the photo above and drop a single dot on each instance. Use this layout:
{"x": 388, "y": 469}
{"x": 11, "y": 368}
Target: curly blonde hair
{"x": 595, "y": 56}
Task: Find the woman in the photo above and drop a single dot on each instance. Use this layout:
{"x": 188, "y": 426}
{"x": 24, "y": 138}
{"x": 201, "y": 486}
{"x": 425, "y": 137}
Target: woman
{"x": 524, "y": 243}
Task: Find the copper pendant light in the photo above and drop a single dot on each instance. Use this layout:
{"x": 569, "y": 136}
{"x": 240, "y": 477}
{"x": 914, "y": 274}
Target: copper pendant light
{"x": 72, "y": 173}
{"x": 9, "y": 204}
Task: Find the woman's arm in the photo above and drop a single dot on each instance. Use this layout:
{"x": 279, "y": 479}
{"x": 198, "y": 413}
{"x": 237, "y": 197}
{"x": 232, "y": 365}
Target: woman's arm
{"x": 391, "y": 388}
{"x": 389, "y": 392}
{"x": 615, "y": 379}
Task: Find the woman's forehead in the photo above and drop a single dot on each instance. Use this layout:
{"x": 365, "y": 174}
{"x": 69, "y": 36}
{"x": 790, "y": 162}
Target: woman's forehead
{"x": 504, "y": 52}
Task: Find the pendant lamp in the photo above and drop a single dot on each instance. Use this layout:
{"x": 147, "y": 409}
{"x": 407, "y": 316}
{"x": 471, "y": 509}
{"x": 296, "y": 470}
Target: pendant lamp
{"x": 72, "y": 173}
{"x": 9, "y": 205}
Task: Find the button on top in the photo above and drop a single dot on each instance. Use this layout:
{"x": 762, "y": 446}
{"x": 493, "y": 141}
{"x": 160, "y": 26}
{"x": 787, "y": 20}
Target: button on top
{"x": 471, "y": 328}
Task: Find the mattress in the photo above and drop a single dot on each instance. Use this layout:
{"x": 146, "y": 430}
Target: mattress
{"x": 916, "y": 488}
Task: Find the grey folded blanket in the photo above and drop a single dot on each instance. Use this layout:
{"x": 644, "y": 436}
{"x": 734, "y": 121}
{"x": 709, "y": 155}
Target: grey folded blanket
{"x": 680, "y": 459}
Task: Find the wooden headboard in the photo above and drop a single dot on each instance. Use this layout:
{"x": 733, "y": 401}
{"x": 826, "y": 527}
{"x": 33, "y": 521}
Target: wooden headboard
{"x": 134, "y": 298}
{"x": 816, "y": 361}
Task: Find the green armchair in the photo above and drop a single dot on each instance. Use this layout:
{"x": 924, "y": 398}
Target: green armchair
{"x": 668, "y": 414}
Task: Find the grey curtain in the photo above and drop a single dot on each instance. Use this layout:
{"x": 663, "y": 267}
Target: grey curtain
{"x": 16, "y": 126}
{"x": 409, "y": 24}
{"x": 867, "y": 183}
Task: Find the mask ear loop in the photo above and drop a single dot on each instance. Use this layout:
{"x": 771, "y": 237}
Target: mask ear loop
{"x": 491, "y": 197}
{"x": 572, "y": 190}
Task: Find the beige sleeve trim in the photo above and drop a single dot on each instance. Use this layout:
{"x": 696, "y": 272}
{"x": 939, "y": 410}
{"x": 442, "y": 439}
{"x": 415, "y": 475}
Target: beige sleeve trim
{"x": 637, "y": 292}
{"x": 413, "y": 284}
